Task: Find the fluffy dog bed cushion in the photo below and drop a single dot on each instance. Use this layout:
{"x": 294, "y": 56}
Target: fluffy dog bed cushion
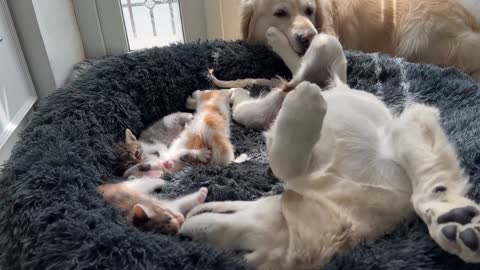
{"x": 52, "y": 218}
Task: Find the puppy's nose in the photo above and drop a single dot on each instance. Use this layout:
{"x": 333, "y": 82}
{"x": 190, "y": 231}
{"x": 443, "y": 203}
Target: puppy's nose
{"x": 305, "y": 39}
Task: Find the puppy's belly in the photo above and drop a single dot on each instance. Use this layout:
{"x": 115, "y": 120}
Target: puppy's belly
{"x": 370, "y": 162}
{"x": 358, "y": 123}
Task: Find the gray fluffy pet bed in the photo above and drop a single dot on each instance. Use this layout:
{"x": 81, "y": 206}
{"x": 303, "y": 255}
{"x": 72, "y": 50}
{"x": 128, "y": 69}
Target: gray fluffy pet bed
{"x": 52, "y": 218}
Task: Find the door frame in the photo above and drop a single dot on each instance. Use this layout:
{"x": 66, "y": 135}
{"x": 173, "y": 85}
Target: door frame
{"x": 27, "y": 106}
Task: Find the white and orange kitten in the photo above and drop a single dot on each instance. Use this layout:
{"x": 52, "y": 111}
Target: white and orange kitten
{"x": 147, "y": 212}
{"x": 205, "y": 140}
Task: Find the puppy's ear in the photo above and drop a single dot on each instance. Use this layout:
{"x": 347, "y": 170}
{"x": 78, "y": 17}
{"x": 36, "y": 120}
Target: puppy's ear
{"x": 247, "y": 10}
{"x": 324, "y": 18}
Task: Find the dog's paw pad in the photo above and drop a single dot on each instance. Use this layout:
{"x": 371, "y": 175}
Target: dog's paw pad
{"x": 450, "y": 232}
{"x": 463, "y": 215}
{"x": 457, "y": 230}
{"x": 469, "y": 239}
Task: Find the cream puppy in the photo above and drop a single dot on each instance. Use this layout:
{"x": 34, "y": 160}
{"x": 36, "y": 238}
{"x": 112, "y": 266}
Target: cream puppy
{"x": 352, "y": 171}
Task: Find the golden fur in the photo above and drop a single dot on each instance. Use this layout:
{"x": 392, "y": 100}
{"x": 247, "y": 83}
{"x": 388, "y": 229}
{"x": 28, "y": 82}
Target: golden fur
{"x": 440, "y": 32}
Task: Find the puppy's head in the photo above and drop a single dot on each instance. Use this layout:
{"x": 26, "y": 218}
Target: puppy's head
{"x": 297, "y": 19}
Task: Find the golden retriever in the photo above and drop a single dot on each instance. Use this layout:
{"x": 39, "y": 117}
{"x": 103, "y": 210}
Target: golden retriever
{"x": 440, "y": 32}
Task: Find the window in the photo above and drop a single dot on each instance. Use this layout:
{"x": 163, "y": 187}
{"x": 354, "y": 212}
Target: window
{"x": 111, "y": 27}
{"x": 151, "y": 23}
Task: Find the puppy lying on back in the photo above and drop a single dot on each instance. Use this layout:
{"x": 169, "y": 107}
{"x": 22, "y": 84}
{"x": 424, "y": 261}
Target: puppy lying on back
{"x": 352, "y": 171}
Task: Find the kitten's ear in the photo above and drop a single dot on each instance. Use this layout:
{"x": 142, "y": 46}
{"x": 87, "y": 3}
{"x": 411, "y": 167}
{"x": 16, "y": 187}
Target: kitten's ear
{"x": 140, "y": 214}
{"x": 129, "y": 137}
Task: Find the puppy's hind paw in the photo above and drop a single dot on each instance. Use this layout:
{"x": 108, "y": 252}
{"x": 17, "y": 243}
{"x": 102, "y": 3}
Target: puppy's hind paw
{"x": 457, "y": 231}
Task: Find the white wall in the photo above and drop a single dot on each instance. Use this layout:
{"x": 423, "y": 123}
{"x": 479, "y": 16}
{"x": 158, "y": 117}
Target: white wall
{"x": 193, "y": 18}
{"x": 59, "y": 30}
{"x": 231, "y": 19}
{"x": 50, "y": 40}
{"x": 223, "y": 19}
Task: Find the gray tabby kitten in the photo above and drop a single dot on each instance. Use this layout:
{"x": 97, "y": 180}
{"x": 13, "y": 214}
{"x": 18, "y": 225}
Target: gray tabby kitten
{"x": 156, "y": 139}
{"x": 152, "y": 143}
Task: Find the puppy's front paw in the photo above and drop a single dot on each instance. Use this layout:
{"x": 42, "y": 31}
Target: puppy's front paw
{"x": 275, "y": 37}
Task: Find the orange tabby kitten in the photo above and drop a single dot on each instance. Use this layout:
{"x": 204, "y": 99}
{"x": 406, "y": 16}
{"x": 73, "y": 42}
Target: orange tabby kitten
{"x": 206, "y": 139}
{"x": 145, "y": 211}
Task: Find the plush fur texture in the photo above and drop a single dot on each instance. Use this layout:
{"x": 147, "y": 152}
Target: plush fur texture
{"x": 52, "y": 217}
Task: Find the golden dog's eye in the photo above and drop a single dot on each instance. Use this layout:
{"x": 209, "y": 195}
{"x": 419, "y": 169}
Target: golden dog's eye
{"x": 309, "y": 11}
{"x": 281, "y": 13}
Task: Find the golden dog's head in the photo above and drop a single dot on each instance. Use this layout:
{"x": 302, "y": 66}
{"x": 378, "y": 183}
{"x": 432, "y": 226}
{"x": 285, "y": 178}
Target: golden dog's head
{"x": 299, "y": 20}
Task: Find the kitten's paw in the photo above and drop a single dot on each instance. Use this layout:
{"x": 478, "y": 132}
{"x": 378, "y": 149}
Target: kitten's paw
{"x": 455, "y": 226}
{"x": 168, "y": 165}
{"x": 202, "y": 195}
{"x": 155, "y": 173}
{"x": 204, "y": 155}
{"x": 179, "y": 218}
{"x": 242, "y": 158}
{"x": 185, "y": 119}
{"x": 192, "y": 100}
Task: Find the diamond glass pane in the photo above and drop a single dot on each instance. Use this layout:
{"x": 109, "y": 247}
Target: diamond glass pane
{"x": 150, "y": 23}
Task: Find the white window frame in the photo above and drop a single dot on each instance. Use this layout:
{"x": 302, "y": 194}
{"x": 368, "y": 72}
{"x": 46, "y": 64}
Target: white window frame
{"x": 28, "y": 103}
{"x": 102, "y": 27}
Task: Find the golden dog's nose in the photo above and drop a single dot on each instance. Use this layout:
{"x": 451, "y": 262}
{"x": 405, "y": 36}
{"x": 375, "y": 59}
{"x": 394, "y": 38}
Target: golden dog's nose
{"x": 305, "y": 39}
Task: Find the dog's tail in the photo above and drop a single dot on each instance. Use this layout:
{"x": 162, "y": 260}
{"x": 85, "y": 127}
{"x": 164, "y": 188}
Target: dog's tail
{"x": 242, "y": 83}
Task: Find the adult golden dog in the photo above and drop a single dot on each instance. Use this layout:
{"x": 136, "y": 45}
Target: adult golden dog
{"x": 440, "y": 32}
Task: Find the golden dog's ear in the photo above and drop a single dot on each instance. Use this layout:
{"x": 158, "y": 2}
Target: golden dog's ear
{"x": 247, "y": 9}
{"x": 324, "y": 18}
{"x": 314, "y": 227}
